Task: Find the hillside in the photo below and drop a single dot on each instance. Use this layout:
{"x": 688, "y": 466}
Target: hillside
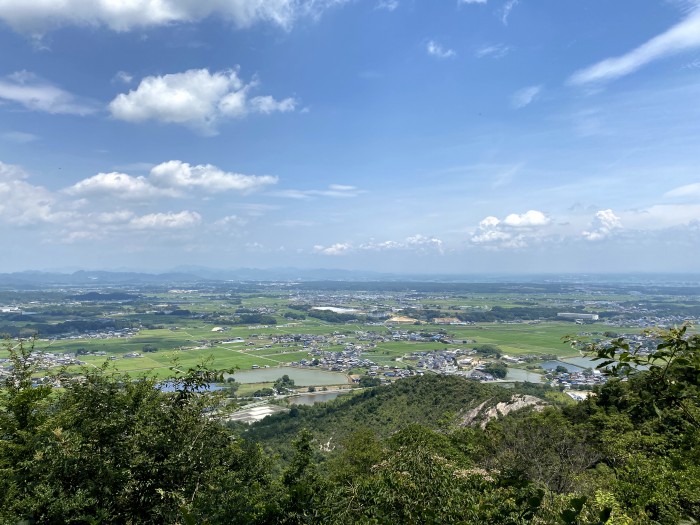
{"x": 432, "y": 400}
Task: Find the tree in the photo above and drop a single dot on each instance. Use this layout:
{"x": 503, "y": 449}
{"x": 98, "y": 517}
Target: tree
{"x": 108, "y": 448}
{"x": 496, "y": 369}
{"x": 284, "y": 384}
{"x": 666, "y": 378}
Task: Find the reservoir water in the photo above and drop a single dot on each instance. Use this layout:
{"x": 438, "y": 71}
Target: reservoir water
{"x": 301, "y": 376}
{"x": 520, "y": 375}
{"x": 313, "y": 398}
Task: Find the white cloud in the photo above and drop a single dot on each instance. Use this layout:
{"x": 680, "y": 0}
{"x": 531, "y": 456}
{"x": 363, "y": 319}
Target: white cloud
{"x": 604, "y": 224}
{"x": 230, "y": 221}
{"x": 22, "y": 203}
{"x": 196, "y": 98}
{"x": 20, "y": 137}
{"x": 268, "y": 105}
{"x": 682, "y": 37}
{"x": 123, "y": 77}
{"x": 492, "y": 51}
{"x": 512, "y": 232}
{"x": 689, "y": 190}
{"x": 166, "y": 221}
{"x": 39, "y": 16}
{"x": 418, "y": 243}
{"x": 436, "y": 50}
{"x": 335, "y": 249}
{"x": 507, "y": 8}
{"x": 472, "y": 1}
{"x": 387, "y": 5}
{"x": 117, "y": 185}
{"x": 528, "y": 219}
{"x": 26, "y": 89}
{"x": 525, "y": 96}
{"x": 176, "y": 174}
{"x": 168, "y": 179}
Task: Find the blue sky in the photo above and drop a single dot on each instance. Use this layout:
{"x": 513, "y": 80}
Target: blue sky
{"x": 457, "y": 136}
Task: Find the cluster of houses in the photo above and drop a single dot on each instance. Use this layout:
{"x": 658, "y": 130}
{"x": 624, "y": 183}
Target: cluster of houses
{"x": 579, "y": 379}
{"x": 43, "y": 361}
{"x": 350, "y": 357}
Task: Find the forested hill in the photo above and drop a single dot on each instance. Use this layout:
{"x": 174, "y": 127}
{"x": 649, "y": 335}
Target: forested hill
{"x": 433, "y": 401}
{"x": 108, "y": 449}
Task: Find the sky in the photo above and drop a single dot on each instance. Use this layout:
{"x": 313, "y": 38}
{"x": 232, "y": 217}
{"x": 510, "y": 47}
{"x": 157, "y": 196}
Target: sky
{"x": 432, "y": 136}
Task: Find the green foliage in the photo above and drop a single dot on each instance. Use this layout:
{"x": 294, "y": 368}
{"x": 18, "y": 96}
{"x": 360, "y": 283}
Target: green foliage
{"x": 108, "y": 449}
{"x": 369, "y": 382}
{"x": 284, "y": 384}
{"x": 496, "y": 369}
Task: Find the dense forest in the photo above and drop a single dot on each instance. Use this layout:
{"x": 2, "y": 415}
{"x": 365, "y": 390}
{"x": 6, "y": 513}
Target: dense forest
{"x": 105, "y": 448}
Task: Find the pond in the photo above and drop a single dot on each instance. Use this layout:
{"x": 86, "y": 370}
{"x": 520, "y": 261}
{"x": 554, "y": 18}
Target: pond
{"x": 301, "y": 376}
{"x": 520, "y": 375}
{"x": 570, "y": 366}
{"x": 313, "y": 398}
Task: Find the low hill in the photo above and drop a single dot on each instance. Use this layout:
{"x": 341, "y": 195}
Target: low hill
{"x": 432, "y": 400}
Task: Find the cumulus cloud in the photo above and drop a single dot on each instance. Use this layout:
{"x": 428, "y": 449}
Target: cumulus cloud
{"x": 525, "y": 96}
{"x": 604, "y": 223}
{"x": 681, "y": 37}
{"x": 119, "y": 185}
{"x": 528, "y": 219}
{"x": 168, "y": 179}
{"x": 37, "y": 17}
{"x": 512, "y": 232}
{"x": 436, "y": 50}
{"x": 181, "y": 175}
{"x": 28, "y": 90}
{"x": 166, "y": 221}
{"x": 196, "y": 98}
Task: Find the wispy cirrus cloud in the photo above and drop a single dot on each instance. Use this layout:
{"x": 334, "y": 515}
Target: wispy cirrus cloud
{"x": 681, "y": 37}
{"x": 525, "y": 97}
{"x": 688, "y": 190}
{"x": 507, "y": 9}
{"x": 35, "y": 94}
{"x": 492, "y": 51}
{"x": 37, "y": 17}
{"x": 387, "y": 5}
{"x": 195, "y": 98}
{"x": 333, "y": 190}
{"x": 19, "y": 137}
